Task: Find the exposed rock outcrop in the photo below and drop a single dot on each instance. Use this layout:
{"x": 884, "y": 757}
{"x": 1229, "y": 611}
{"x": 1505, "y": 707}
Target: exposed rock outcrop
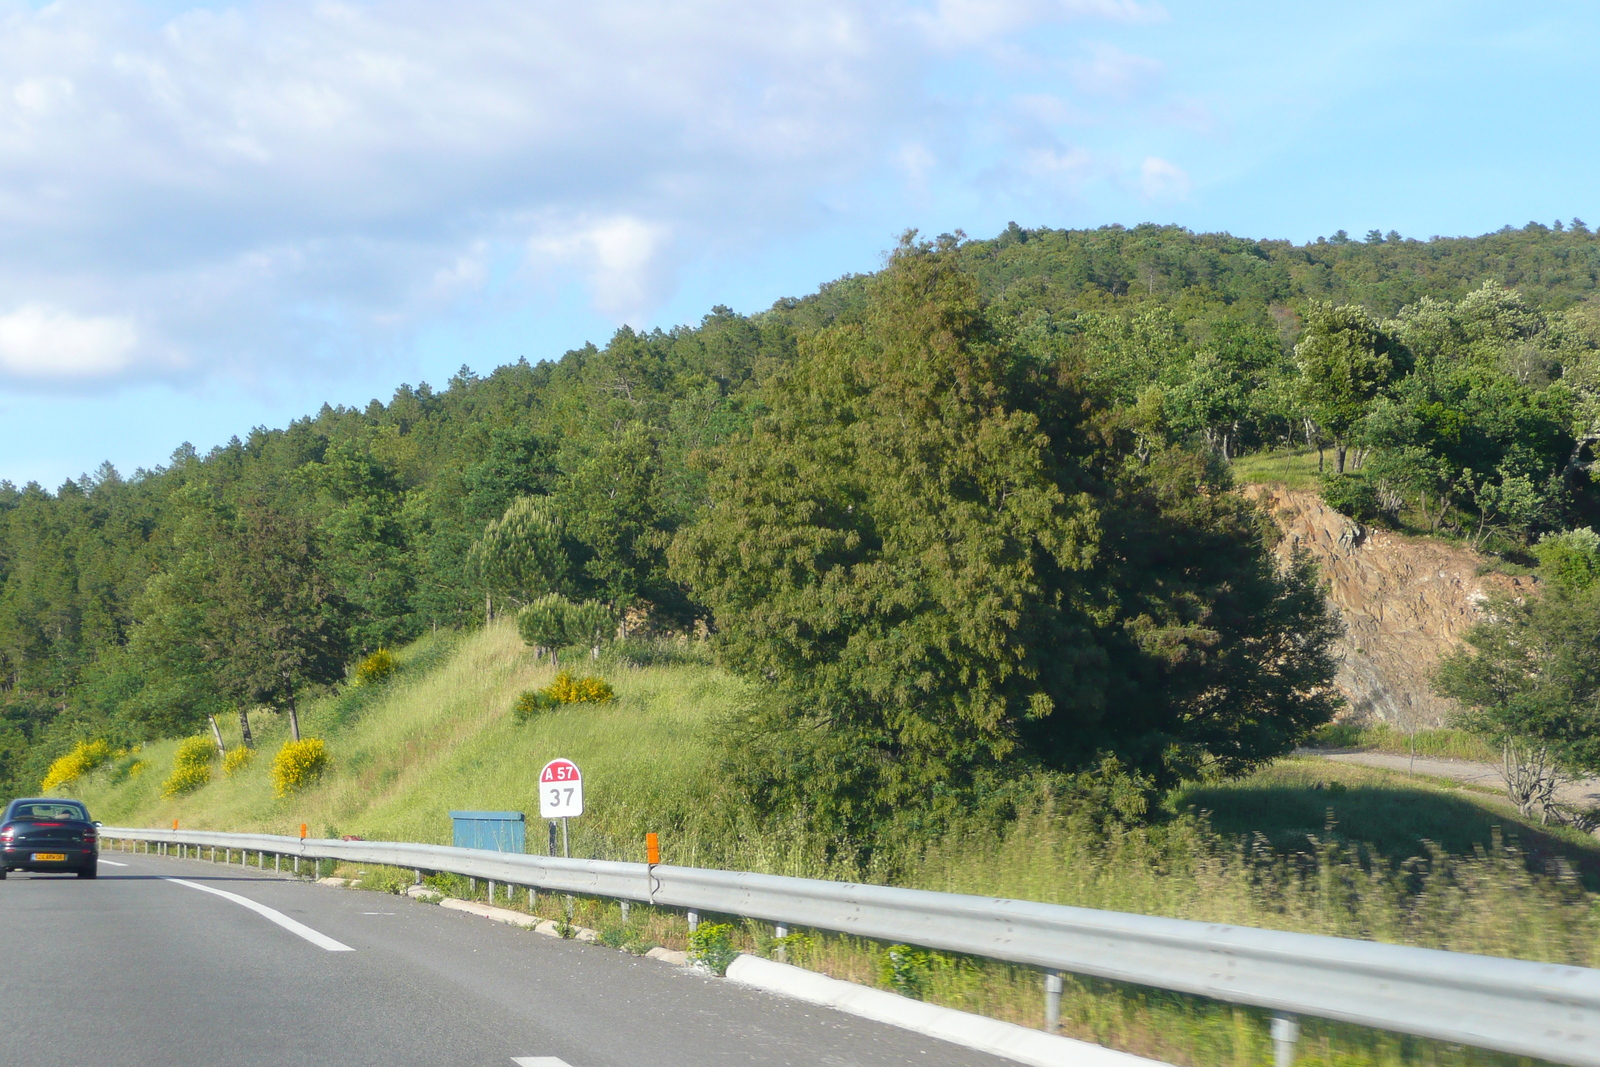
{"x": 1405, "y": 602}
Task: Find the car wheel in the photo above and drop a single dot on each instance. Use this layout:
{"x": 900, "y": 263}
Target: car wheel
{"x": 2, "y": 874}
{"x": 90, "y": 872}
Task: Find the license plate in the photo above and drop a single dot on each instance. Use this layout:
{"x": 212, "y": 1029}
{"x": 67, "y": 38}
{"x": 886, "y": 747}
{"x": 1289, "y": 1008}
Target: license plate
{"x": 46, "y": 857}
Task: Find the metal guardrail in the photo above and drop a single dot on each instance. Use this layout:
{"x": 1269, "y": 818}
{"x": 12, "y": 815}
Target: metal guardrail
{"x": 1545, "y": 1010}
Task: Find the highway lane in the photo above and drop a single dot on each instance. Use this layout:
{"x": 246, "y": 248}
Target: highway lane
{"x": 133, "y": 968}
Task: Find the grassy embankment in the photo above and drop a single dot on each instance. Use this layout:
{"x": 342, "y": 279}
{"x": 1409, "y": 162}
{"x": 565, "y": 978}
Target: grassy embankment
{"x": 1294, "y": 468}
{"x": 440, "y": 736}
{"x": 1303, "y": 845}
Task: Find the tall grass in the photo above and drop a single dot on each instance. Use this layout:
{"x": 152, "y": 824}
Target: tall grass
{"x": 1439, "y": 743}
{"x": 1294, "y": 468}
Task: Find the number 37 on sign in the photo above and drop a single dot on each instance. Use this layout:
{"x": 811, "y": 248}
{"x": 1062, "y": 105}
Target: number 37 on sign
{"x": 560, "y": 790}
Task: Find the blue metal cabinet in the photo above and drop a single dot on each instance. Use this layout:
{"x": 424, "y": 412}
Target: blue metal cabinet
{"x": 498, "y": 831}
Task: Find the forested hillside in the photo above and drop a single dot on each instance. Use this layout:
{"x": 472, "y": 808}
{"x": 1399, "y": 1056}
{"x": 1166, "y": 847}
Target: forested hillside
{"x": 1077, "y": 396}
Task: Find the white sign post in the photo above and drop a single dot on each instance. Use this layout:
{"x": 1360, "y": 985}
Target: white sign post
{"x": 561, "y": 795}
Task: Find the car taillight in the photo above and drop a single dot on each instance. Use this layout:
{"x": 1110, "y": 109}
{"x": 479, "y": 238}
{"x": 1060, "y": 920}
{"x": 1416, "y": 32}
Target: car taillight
{"x": 8, "y": 833}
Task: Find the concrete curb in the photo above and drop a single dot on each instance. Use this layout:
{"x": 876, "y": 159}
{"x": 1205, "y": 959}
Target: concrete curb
{"x": 515, "y": 918}
{"x": 488, "y": 911}
{"x": 957, "y": 1027}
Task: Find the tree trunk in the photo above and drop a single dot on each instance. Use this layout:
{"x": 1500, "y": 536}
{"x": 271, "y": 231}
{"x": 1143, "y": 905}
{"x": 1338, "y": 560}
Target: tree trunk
{"x": 1338, "y": 456}
{"x": 216, "y": 735}
{"x": 294, "y": 715}
{"x": 488, "y": 608}
{"x": 244, "y": 727}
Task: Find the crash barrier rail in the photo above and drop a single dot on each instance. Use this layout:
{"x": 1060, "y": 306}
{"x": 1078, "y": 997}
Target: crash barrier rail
{"x": 1546, "y": 1010}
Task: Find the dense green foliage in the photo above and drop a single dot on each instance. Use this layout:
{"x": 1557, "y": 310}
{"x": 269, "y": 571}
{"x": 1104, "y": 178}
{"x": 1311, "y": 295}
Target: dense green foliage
{"x": 954, "y": 562}
{"x": 1113, "y": 372}
{"x": 1529, "y": 676}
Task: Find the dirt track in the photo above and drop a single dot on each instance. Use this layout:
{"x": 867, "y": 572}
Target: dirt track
{"x": 1582, "y": 793}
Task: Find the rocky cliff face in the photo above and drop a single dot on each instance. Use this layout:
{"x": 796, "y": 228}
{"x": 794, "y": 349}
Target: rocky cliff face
{"x": 1405, "y": 602}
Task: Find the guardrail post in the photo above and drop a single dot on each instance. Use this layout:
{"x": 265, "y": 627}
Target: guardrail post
{"x": 491, "y": 890}
{"x": 1285, "y": 1033}
{"x": 316, "y": 869}
{"x": 418, "y": 872}
{"x": 277, "y": 863}
{"x": 1052, "y": 1001}
{"x": 297, "y": 866}
{"x": 624, "y": 904}
{"x": 779, "y": 932}
{"x": 694, "y": 920}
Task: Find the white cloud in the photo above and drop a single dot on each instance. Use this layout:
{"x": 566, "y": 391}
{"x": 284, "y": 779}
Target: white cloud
{"x": 1071, "y": 165}
{"x": 50, "y": 345}
{"x": 622, "y": 256}
{"x": 1161, "y": 180}
{"x": 281, "y": 187}
{"x": 957, "y": 23}
{"x": 1109, "y": 71}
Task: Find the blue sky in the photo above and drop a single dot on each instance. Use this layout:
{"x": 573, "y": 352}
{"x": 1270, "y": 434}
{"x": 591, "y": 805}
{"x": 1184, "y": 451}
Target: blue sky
{"x": 220, "y": 216}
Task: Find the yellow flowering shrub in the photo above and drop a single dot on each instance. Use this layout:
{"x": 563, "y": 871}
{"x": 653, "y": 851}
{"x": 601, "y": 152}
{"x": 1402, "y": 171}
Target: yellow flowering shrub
{"x": 84, "y": 757}
{"x": 191, "y": 766}
{"x": 186, "y": 778}
{"x": 375, "y": 668}
{"x": 298, "y": 764}
{"x": 237, "y": 760}
{"x": 532, "y": 703}
{"x": 194, "y": 751}
{"x": 569, "y": 690}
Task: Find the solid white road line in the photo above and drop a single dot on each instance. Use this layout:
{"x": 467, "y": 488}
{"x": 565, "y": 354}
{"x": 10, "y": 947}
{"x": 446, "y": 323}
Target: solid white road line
{"x": 538, "y": 1061}
{"x": 1014, "y": 1042}
{"x": 113, "y": 863}
{"x": 299, "y": 929}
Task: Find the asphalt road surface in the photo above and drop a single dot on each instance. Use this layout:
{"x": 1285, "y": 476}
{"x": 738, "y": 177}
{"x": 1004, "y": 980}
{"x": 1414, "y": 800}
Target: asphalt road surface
{"x": 136, "y": 968}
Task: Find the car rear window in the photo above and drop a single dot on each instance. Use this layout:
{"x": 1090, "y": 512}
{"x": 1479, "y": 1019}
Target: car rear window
{"x": 50, "y": 810}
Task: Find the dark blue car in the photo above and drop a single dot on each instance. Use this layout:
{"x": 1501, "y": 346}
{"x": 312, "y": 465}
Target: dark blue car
{"x": 49, "y": 836}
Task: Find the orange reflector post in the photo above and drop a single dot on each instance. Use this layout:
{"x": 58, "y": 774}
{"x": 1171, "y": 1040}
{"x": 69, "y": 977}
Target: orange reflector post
{"x": 302, "y": 831}
{"x": 174, "y": 824}
{"x": 652, "y": 849}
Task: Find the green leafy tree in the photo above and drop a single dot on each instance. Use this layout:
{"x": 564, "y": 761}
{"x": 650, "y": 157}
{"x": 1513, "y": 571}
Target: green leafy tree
{"x": 612, "y": 503}
{"x": 544, "y": 623}
{"x": 251, "y": 595}
{"x": 591, "y": 623}
{"x": 1529, "y": 676}
{"x": 1344, "y": 362}
{"x": 951, "y": 572}
{"x": 522, "y": 554}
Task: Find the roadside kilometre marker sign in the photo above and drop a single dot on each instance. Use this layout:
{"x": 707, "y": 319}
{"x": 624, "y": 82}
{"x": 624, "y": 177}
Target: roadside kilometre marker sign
{"x": 560, "y": 790}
